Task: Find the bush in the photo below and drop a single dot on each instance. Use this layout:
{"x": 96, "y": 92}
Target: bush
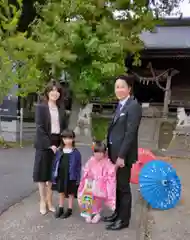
{"x": 99, "y": 128}
{"x": 3, "y": 143}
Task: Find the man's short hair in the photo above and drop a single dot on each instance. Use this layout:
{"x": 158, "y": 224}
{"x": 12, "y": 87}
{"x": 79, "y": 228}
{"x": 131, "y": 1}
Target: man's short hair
{"x": 129, "y": 79}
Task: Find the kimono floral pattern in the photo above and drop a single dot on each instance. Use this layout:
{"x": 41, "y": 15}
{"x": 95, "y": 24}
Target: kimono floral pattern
{"x": 103, "y": 175}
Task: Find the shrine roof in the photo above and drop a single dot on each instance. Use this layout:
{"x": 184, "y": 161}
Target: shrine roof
{"x": 173, "y": 35}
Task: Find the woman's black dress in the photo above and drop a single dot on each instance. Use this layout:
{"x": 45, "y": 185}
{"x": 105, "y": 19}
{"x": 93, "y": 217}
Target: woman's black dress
{"x": 43, "y": 162}
{"x": 64, "y": 184}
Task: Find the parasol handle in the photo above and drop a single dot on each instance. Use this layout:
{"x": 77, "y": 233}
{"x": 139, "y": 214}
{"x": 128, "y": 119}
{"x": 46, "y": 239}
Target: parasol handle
{"x": 164, "y": 182}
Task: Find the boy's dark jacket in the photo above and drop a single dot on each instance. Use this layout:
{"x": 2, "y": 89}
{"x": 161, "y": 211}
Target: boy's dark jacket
{"x": 74, "y": 165}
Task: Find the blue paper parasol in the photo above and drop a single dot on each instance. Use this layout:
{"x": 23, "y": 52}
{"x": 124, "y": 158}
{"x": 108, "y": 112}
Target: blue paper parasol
{"x": 159, "y": 185}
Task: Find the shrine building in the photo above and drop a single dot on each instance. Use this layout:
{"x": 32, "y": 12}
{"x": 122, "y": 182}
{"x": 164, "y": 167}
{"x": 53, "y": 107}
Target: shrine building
{"x": 163, "y": 79}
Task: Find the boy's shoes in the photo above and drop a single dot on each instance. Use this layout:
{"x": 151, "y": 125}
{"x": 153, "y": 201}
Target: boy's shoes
{"x": 59, "y": 212}
{"x": 67, "y": 214}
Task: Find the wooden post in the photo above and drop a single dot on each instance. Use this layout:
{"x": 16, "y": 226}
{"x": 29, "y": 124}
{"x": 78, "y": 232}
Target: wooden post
{"x": 167, "y": 95}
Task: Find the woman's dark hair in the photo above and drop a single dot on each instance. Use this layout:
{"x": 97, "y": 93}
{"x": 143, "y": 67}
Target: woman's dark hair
{"x": 49, "y": 87}
{"x": 67, "y": 133}
{"x": 99, "y": 147}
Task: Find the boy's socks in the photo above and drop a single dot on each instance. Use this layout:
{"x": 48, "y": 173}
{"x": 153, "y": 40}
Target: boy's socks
{"x": 67, "y": 214}
{"x": 59, "y": 212}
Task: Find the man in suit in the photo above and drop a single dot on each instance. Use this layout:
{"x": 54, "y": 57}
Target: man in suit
{"x": 122, "y": 142}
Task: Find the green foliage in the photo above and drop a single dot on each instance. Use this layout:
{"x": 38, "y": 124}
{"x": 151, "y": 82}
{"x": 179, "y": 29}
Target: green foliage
{"x": 3, "y": 143}
{"x": 84, "y": 39}
{"x": 99, "y": 128}
{"x": 81, "y": 37}
{"x": 14, "y": 55}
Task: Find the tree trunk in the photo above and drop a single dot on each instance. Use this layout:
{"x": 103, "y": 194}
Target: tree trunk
{"x": 74, "y": 114}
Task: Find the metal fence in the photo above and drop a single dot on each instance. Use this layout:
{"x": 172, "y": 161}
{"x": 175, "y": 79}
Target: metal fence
{"x": 12, "y": 125}
{"x": 17, "y": 129}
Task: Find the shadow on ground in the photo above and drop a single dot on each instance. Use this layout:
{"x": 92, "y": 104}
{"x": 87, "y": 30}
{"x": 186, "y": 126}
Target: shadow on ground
{"x": 24, "y": 222}
{"x": 16, "y": 166}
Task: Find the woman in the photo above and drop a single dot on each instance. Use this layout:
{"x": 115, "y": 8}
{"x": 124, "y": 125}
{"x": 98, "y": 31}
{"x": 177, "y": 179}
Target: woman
{"x": 50, "y": 122}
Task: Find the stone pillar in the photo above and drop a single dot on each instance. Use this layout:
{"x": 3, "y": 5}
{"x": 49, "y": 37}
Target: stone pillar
{"x": 83, "y": 127}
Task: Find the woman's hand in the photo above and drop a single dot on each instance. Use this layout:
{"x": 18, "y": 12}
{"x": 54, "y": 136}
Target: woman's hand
{"x": 54, "y": 148}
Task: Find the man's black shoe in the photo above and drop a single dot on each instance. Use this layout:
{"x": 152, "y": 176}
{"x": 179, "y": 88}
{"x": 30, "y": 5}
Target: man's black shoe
{"x": 111, "y": 218}
{"x": 117, "y": 225}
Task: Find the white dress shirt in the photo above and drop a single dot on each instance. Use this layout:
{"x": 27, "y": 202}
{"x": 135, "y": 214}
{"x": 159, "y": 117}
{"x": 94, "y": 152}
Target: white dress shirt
{"x": 55, "y": 124}
{"x": 122, "y": 102}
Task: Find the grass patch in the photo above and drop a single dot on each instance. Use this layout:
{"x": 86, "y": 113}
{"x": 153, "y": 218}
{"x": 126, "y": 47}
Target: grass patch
{"x": 99, "y": 128}
{"x": 6, "y": 145}
{"x": 24, "y": 144}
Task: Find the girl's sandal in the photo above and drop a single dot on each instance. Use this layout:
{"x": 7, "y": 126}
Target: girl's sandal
{"x": 88, "y": 219}
{"x": 96, "y": 218}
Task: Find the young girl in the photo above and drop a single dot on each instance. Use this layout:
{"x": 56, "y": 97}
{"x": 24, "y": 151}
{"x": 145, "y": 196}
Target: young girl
{"x": 66, "y": 173}
{"x": 98, "y": 184}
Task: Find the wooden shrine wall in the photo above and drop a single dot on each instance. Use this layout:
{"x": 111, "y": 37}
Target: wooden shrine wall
{"x": 181, "y": 90}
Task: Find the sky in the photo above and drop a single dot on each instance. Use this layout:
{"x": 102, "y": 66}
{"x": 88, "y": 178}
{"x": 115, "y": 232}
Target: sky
{"x": 185, "y": 8}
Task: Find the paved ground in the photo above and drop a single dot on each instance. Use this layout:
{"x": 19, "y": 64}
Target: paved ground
{"x": 16, "y": 174}
{"x": 174, "y": 224}
{"x": 23, "y": 221}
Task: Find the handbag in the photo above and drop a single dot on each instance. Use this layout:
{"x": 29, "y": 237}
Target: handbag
{"x": 87, "y": 199}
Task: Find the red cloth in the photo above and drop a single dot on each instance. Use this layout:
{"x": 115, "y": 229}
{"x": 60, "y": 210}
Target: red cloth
{"x": 144, "y": 156}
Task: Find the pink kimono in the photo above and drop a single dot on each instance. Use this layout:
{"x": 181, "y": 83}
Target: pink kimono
{"x": 102, "y": 177}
